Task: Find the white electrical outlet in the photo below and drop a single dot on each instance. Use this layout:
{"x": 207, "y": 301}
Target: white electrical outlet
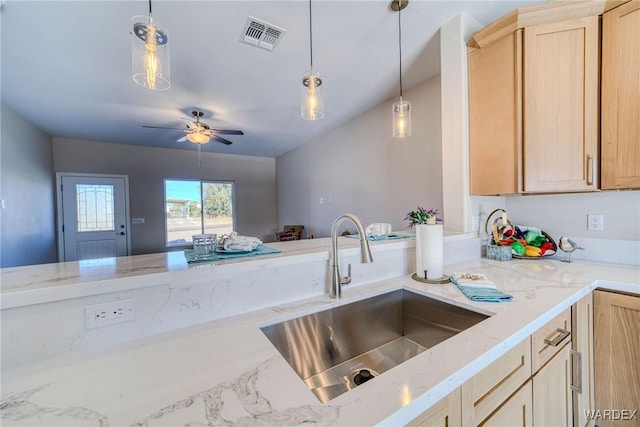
{"x": 595, "y": 222}
{"x": 109, "y": 313}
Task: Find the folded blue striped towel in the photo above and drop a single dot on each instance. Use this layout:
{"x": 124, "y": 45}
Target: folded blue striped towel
{"x": 477, "y": 287}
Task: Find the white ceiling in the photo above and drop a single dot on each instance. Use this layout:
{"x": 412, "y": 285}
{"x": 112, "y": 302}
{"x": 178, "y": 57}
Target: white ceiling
{"x": 66, "y": 66}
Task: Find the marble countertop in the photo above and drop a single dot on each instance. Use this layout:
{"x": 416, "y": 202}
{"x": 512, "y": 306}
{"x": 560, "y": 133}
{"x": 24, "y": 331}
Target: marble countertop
{"x": 34, "y": 284}
{"x": 227, "y": 372}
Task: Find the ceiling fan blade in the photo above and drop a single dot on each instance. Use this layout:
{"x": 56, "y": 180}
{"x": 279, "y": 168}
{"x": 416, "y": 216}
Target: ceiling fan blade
{"x": 222, "y": 140}
{"x": 160, "y": 127}
{"x": 227, "y": 132}
{"x": 183, "y": 139}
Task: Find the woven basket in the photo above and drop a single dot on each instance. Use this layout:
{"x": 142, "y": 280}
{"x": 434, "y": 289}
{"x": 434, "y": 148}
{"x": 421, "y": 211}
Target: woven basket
{"x": 499, "y": 227}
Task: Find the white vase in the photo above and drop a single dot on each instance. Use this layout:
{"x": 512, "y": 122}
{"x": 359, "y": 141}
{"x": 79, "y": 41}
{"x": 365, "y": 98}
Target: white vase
{"x": 429, "y": 251}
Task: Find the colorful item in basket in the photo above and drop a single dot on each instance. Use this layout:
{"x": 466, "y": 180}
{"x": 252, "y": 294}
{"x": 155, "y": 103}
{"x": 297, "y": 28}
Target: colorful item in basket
{"x": 524, "y": 242}
{"x": 528, "y": 242}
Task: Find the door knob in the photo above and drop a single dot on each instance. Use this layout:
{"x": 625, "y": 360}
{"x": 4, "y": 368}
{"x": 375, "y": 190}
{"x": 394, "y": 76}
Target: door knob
{"x": 122, "y": 233}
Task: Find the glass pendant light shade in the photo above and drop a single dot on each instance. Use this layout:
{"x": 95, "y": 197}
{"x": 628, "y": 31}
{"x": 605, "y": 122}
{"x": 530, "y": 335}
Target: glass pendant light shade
{"x": 312, "y": 101}
{"x": 400, "y": 110}
{"x": 150, "y": 53}
{"x": 401, "y": 119}
{"x": 198, "y": 138}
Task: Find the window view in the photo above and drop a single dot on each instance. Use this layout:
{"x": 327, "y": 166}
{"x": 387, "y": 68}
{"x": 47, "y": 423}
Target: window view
{"x": 197, "y": 207}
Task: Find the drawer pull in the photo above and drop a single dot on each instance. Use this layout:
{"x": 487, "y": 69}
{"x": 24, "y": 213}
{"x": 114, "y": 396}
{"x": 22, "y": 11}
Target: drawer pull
{"x": 576, "y": 368}
{"x": 562, "y": 335}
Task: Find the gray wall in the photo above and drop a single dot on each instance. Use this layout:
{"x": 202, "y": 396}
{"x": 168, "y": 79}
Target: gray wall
{"x": 27, "y": 185}
{"x": 360, "y": 168}
{"x": 566, "y": 214}
{"x": 148, "y": 167}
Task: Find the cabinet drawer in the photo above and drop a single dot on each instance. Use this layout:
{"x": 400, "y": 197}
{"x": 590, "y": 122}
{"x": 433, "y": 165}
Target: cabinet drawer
{"x": 487, "y": 390}
{"x": 515, "y": 412}
{"x": 445, "y": 413}
{"x": 549, "y": 339}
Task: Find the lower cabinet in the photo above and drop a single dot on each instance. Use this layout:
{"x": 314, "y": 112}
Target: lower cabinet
{"x": 445, "y": 413}
{"x": 582, "y": 358}
{"x": 547, "y": 379}
{"x": 617, "y": 359}
{"x": 552, "y": 403}
{"x": 529, "y": 386}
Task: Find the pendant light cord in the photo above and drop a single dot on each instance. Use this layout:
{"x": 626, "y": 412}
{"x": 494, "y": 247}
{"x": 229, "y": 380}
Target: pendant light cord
{"x": 399, "y": 41}
{"x": 150, "y": 17}
{"x": 310, "y": 36}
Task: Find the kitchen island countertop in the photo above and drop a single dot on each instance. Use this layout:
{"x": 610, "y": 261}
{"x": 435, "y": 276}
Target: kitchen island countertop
{"x": 227, "y": 372}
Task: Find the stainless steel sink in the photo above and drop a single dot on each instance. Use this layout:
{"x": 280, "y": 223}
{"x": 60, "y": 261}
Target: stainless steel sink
{"x": 336, "y": 350}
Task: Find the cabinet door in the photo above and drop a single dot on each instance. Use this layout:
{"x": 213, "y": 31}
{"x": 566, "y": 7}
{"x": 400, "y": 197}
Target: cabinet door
{"x": 561, "y": 106}
{"x": 582, "y": 342}
{"x": 495, "y": 117}
{"x": 552, "y": 403}
{"x": 617, "y": 354}
{"x": 515, "y": 412}
{"x": 445, "y": 413}
{"x": 621, "y": 97}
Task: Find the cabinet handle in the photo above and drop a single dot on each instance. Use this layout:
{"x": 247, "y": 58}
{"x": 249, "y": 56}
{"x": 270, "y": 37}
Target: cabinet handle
{"x": 590, "y": 169}
{"x": 577, "y": 356}
{"x": 563, "y": 333}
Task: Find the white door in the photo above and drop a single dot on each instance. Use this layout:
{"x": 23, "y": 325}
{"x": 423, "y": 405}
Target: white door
{"x": 94, "y": 215}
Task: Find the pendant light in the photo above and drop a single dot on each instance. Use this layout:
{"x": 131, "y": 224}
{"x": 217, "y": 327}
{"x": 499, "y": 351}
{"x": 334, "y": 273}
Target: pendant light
{"x": 150, "y": 53}
{"x": 312, "y": 107}
{"x": 402, "y": 109}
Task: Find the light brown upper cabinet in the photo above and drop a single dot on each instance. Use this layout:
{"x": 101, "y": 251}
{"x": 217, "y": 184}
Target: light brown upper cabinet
{"x": 495, "y": 111}
{"x": 533, "y": 110}
{"x": 620, "y": 114}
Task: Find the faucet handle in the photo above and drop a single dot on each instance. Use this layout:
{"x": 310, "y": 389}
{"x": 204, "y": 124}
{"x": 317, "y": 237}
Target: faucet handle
{"x": 346, "y": 279}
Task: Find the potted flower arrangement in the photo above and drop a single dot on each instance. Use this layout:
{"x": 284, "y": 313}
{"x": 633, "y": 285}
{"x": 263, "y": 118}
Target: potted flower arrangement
{"x": 429, "y": 243}
{"x": 422, "y": 216}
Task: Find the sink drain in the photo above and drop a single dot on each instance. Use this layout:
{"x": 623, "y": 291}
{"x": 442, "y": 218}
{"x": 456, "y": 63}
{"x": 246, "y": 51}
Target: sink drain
{"x": 362, "y": 376}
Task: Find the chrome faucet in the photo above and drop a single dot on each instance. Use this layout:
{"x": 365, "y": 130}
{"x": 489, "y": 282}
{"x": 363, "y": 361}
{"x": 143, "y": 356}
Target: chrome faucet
{"x": 335, "y": 288}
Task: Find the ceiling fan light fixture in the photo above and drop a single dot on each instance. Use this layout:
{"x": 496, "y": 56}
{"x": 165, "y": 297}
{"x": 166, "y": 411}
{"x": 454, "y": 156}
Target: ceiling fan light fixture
{"x": 198, "y": 138}
{"x": 401, "y": 110}
{"x": 150, "y": 53}
{"x": 312, "y": 99}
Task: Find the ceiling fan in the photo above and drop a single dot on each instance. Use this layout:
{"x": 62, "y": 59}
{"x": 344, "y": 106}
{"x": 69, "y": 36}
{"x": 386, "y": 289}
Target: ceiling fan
{"x": 199, "y": 132}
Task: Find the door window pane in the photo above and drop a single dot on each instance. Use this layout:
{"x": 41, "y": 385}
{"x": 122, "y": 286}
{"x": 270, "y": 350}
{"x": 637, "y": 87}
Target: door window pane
{"x": 95, "y": 207}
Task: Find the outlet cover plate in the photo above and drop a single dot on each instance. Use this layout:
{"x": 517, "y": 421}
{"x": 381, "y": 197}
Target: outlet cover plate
{"x": 595, "y": 222}
{"x": 109, "y": 313}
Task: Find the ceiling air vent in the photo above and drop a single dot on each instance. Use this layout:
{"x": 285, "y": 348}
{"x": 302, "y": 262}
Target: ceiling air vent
{"x": 261, "y": 34}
